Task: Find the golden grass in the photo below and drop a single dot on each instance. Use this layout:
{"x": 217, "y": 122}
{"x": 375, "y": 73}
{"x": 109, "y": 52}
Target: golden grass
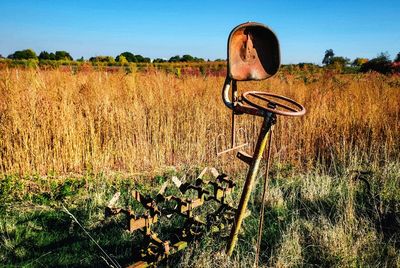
{"x": 54, "y": 121}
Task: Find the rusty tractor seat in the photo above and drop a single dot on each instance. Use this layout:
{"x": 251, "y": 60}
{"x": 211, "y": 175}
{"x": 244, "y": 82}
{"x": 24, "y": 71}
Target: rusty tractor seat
{"x": 253, "y": 52}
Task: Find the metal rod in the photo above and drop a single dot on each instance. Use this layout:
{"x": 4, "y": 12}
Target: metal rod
{"x": 234, "y": 99}
{"x": 250, "y": 180}
{"x": 261, "y": 222}
{"x": 232, "y": 149}
{"x": 225, "y": 93}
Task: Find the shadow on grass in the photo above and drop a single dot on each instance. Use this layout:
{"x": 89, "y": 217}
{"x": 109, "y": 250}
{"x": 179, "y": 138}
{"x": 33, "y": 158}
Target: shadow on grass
{"x": 51, "y": 238}
{"x": 44, "y": 235}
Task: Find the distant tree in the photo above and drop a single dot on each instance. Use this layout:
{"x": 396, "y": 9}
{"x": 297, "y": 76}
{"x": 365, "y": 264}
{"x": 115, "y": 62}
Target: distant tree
{"x": 1, "y": 56}
{"x": 23, "y": 55}
{"x": 187, "y": 58}
{"x": 340, "y": 61}
{"x": 52, "y": 56}
{"x": 359, "y": 61}
{"x": 128, "y": 56}
{"x": 81, "y": 59}
{"x": 328, "y": 57}
{"x": 107, "y": 59}
{"x": 176, "y": 58}
{"x": 397, "y": 59}
{"x": 122, "y": 60}
{"x": 139, "y": 58}
{"x": 63, "y": 55}
{"x": 381, "y": 64}
{"x": 396, "y": 64}
{"x": 158, "y": 60}
{"x": 195, "y": 59}
{"x": 44, "y": 55}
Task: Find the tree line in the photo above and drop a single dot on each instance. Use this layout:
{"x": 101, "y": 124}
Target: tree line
{"x": 125, "y": 57}
{"x": 381, "y": 63}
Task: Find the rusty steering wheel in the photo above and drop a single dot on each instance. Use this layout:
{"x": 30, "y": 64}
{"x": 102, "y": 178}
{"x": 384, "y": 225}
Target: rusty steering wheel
{"x": 262, "y": 100}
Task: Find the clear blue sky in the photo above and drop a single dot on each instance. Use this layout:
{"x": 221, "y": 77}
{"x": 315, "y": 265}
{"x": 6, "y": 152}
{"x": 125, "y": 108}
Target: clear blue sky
{"x": 161, "y": 29}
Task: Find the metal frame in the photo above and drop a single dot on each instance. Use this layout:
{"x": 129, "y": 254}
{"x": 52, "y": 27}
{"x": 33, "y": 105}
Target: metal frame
{"x": 155, "y": 249}
{"x": 247, "y": 60}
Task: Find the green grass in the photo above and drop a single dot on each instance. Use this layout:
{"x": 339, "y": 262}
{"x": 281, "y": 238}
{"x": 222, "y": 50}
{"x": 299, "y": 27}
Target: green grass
{"x": 314, "y": 219}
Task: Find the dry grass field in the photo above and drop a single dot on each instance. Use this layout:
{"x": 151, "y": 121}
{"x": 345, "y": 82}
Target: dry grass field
{"x": 333, "y": 197}
{"x": 53, "y": 121}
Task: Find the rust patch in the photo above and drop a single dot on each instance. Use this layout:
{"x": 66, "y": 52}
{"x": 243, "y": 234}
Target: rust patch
{"x": 253, "y": 52}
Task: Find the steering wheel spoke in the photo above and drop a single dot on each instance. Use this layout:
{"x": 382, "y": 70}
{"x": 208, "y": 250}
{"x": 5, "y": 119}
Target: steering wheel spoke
{"x": 286, "y": 110}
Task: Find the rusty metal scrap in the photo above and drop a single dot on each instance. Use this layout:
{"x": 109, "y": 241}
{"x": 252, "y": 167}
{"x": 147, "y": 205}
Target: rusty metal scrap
{"x": 155, "y": 249}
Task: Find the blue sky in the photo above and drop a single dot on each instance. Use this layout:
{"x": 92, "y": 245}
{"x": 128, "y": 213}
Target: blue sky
{"x": 161, "y": 29}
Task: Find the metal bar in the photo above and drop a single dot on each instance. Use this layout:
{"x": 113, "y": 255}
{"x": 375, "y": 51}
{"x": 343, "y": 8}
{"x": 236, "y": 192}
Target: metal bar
{"x": 234, "y": 99}
{"x": 249, "y": 184}
{"x": 141, "y": 222}
{"x": 232, "y": 149}
{"x": 261, "y": 221}
{"x": 273, "y": 101}
{"x": 241, "y": 108}
{"x": 245, "y": 157}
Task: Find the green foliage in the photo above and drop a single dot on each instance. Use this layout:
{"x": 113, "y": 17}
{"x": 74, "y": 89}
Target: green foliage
{"x": 311, "y": 219}
{"x": 159, "y": 60}
{"x": 52, "y": 56}
{"x": 381, "y": 64}
{"x": 199, "y": 59}
{"x": 63, "y": 55}
{"x": 130, "y": 57}
{"x": 44, "y": 55}
{"x": 337, "y": 62}
{"x": 23, "y": 55}
{"x": 397, "y": 59}
{"x": 122, "y": 60}
{"x": 359, "y": 61}
{"x": 176, "y": 58}
{"x": 59, "y": 55}
{"x": 341, "y": 61}
{"x": 328, "y": 56}
{"x": 107, "y": 59}
{"x": 140, "y": 58}
{"x": 10, "y": 188}
{"x": 185, "y": 58}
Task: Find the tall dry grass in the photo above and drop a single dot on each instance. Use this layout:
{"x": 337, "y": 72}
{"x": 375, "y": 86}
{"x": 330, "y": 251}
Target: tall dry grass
{"x": 54, "y": 121}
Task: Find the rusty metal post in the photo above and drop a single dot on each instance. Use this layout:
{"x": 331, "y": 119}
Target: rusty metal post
{"x": 269, "y": 119}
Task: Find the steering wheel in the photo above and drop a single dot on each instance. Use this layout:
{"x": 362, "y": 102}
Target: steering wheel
{"x": 263, "y": 101}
